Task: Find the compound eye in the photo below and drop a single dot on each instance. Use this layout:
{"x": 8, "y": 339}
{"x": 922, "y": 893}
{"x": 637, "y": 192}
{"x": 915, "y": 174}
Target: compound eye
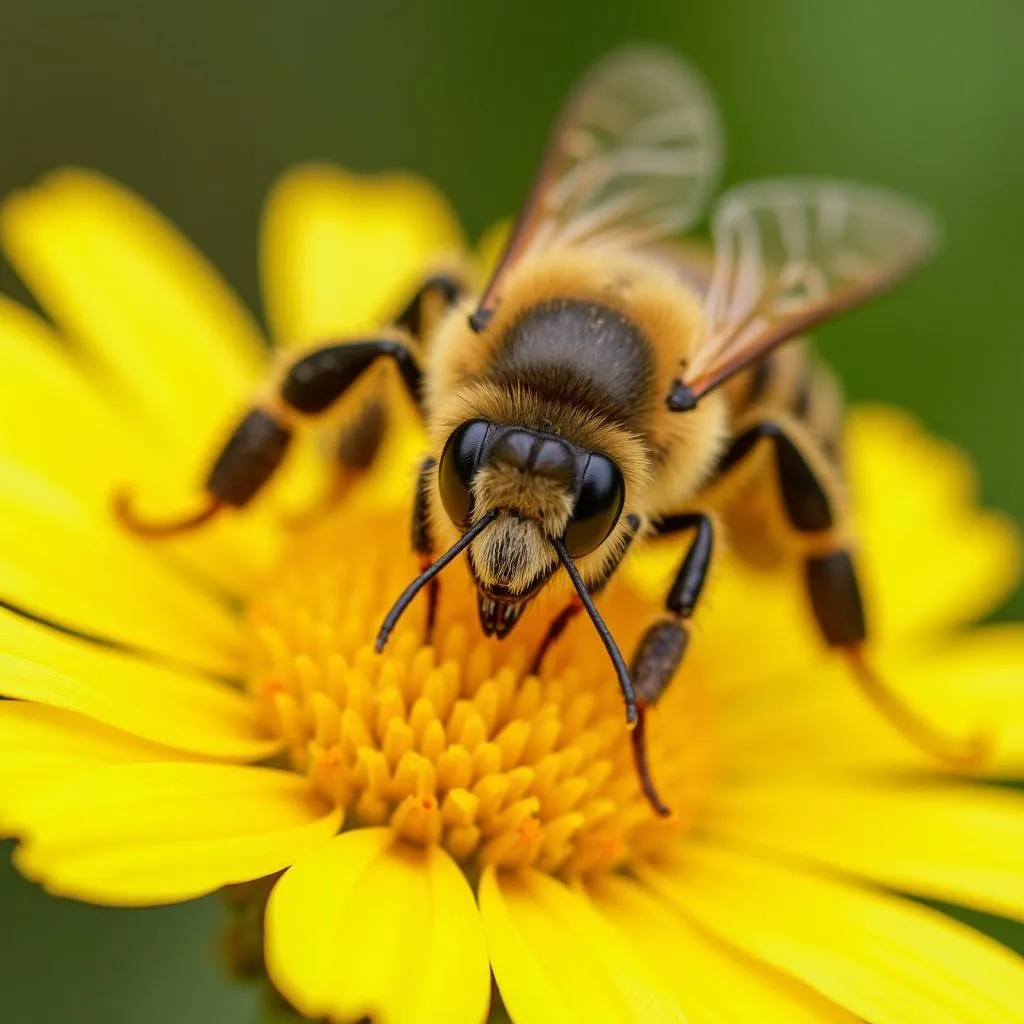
{"x": 459, "y": 462}
{"x": 598, "y": 506}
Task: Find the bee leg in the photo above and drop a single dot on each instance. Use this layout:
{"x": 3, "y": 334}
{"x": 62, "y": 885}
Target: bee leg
{"x": 807, "y": 505}
{"x": 561, "y": 621}
{"x": 663, "y": 645}
{"x": 834, "y": 593}
{"x": 252, "y": 453}
{"x": 422, "y": 541}
{"x": 434, "y": 297}
{"x": 258, "y": 444}
{"x": 833, "y": 587}
{"x": 360, "y": 440}
{"x": 312, "y": 384}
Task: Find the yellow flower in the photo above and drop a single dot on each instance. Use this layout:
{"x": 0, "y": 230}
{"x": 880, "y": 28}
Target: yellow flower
{"x": 190, "y": 714}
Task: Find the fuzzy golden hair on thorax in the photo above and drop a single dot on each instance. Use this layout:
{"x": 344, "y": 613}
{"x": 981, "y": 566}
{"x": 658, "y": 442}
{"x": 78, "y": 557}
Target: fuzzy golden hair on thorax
{"x": 643, "y": 289}
{"x": 664, "y": 457}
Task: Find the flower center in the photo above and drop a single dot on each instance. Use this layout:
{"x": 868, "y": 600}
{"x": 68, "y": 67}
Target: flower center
{"x": 454, "y": 742}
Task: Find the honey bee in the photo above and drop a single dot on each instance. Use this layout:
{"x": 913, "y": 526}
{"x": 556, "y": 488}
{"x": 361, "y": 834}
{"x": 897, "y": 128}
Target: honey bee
{"x": 609, "y": 383}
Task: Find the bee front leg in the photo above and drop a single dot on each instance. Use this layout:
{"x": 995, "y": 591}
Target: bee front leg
{"x": 422, "y": 539}
{"x": 360, "y": 439}
{"x": 663, "y": 645}
{"x": 259, "y": 443}
{"x": 309, "y": 387}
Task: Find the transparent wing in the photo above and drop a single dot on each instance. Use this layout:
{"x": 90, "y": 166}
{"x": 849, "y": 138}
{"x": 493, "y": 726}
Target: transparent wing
{"x": 632, "y": 159}
{"x": 789, "y": 254}
{"x": 689, "y": 259}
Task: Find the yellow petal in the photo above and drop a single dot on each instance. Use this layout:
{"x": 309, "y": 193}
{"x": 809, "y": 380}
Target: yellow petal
{"x": 809, "y": 723}
{"x": 342, "y": 253}
{"x": 885, "y": 959}
{"x": 55, "y": 421}
{"x": 714, "y": 983}
{"x": 962, "y": 844}
{"x": 52, "y": 418}
{"x": 37, "y": 729}
{"x": 136, "y": 834}
{"x": 556, "y": 959}
{"x": 156, "y": 703}
{"x": 40, "y": 745}
{"x": 97, "y": 590}
{"x": 365, "y": 927}
{"x": 931, "y": 559}
{"x": 128, "y": 287}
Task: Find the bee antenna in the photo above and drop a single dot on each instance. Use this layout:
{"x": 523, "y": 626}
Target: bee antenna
{"x": 625, "y": 682}
{"x": 432, "y": 570}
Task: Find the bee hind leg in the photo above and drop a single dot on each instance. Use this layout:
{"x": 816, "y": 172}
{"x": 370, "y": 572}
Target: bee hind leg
{"x": 831, "y": 580}
{"x": 255, "y": 449}
{"x": 835, "y": 598}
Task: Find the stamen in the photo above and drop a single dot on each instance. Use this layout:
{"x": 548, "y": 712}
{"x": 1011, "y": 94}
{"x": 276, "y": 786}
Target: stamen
{"x": 457, "y": 743}
{"x": 963, "y": 752}
{"x": 125, "y": 514}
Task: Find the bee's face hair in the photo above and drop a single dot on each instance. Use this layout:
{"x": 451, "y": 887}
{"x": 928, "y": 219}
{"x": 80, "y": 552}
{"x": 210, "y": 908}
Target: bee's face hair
{"x": 543, "y": 488}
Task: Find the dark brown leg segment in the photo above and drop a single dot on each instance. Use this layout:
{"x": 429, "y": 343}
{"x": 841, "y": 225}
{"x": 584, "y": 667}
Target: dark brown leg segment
{"x": 807, "y": 503}
{"x": 253, "y": 452}
{"x": 311, "y": 386}
{"x": 663, "y": 645}
{"x": 835, "y": 598}
{"x": 433, "y": 298}
{"x": 360, "y": 440}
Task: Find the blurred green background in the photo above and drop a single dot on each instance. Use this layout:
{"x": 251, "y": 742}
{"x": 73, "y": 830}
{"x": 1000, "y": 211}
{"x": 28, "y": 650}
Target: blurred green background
{"x": 199, "y": 104}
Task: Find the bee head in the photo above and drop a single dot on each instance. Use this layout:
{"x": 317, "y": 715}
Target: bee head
{"x": 542, "y": 487}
